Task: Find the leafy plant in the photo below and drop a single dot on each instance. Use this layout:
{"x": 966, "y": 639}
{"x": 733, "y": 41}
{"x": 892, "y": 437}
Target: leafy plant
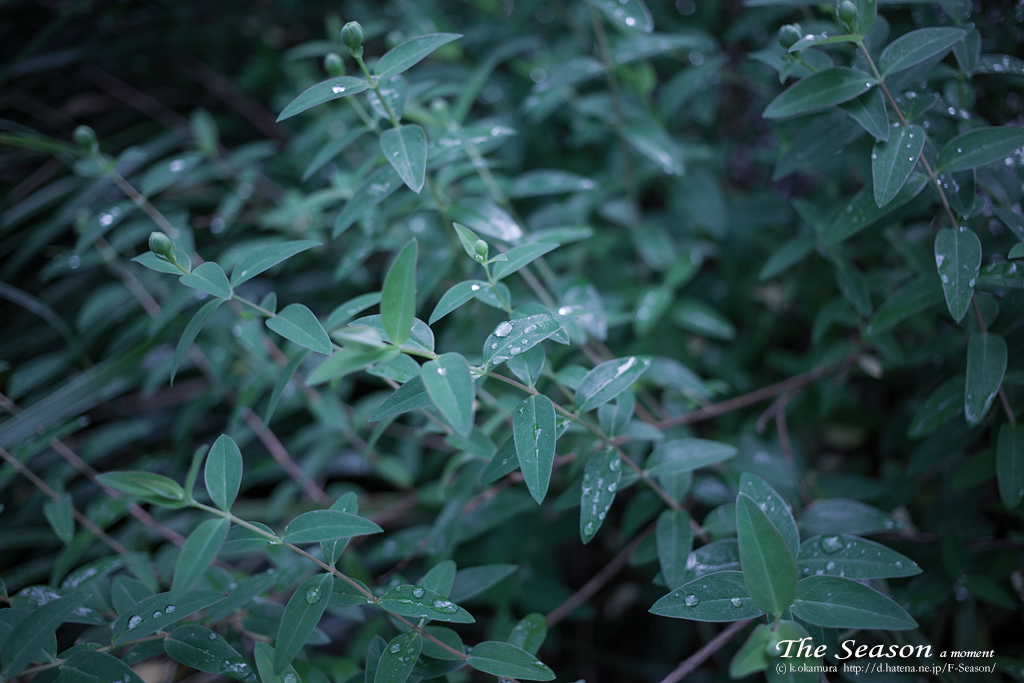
{"x": 486, "y": 325}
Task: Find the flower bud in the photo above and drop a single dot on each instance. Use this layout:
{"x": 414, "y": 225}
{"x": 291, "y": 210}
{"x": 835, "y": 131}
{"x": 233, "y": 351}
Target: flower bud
{"x": 333, "y": 65}
{"x": 85, "y": 137}
{"x": 161, "y": 245}
{"x": 847, "y": 13}
{"x": 789, "y": 34}
{"x": 352, "y": 36}
{"x": 481, "y": 248}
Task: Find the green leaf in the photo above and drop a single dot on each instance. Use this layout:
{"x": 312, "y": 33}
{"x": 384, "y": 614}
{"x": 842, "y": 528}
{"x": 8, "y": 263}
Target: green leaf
{"x": 410, "y": 53}
{"x": 60, "y": 514}
{"x": 608, "y": 380}
{"x": 768, "y": 568}
{"x": 161, "y": 265}
{"x": 942, "y": 405}
{"x": 298, "y": 324}
{"x": 468, "y": 240}
{"x": 440, "y": 578}
{"x": 399, "y": 658}
{"x": 486, "y": 218}
{"x": 529, "y": 365}
{"x": 685, "y": 455}
{"x": 210, "y": 278}
{"x": 892, "y": 162}
{"x": 420, "y": 602}
{"x": 265, "y": 258}
{"x": 958, "y": 260}
{"x": 513, "y": 337}
{"x": 844, "y": 516}
{"x": 247, "y": 589}
{"x": 405, "y": 148}
{"x": 696, "y": 316}
{"x": 853, "y": 558}
{"x": 32, "y": 632}
{"x": 600, "y": 481}
{"x": 87, "y": 666}
{"x": 1010, "y": 464}
{"x": 455, "y": 297}
{"x": 380, "y": 185}
{"x": 978, "y": 147}
{"x": 674, "y": 540}
{"x": 533, "y": 428}
{"x": 502, "y": 659}
{"x": 869, "y": 111}
{"x": 333, "y": 549}
{"x": 651, "y": 139}
{"x": 719, "y": 556}
{"x": 398, "y": 297}
{"x": 223, "y": 473}
{"x": 752, "y": 656}
{"x": 473, "y": 581}
{"x": 327, "y": 525}
{"x": 198, "y": 553}
{"x": 264, "y": 656}
{"x": 193, "y": 471}
{"x": 632, "y": 14}
{"x": 450, "y": 386}
{"x": 774, "y": 506}
{"x": 721, "y": 596}
{"x": 917, "y": 46}
{"x": 835, "y": 602}
{"x": 548, "y": 182}
{"x": 1015, "y": 222}
{"x": 301, "y": 615}
{"x": 281, "y": 383}
{"x": 201, "y": 649}
{"x": 862, "y": 210}
{"x": 787, "y": 256}
{"x": 192, "y": 331}
{"x": 410, "y": 396}
{"x": 912, "y": 298}
{"x": 529, "y": 633}
{"x": 348, "y": 360}
{"x": 334, "y": 147}
{"x": 986, "y": 363}
{"x": 157, "y": 612}
{"x": 153, "y": 488}
{"x": 820, "y": 90}
{"x": 331, "y": 89}
{"x": 520, "y": 257}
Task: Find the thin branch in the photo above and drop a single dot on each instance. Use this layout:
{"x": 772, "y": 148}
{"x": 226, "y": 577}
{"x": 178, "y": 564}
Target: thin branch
{"x": 690, "y": 664}
{"x": 284, "y": 459}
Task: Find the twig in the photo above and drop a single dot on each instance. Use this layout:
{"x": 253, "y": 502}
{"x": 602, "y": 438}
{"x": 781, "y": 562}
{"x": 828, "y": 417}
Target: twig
{"x": 596, "y": 582}
{"x": 284, "y": 459}
{"x": 688, "y": 665}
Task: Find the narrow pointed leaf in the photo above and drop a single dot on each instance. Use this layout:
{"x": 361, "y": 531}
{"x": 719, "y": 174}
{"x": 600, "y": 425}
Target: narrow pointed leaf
{"x": 986, "y": 363}
{"x": 331, "y": 89}
{"x": 721, "y": 596}
{"x": 978, "y": 147}
{"x": 410, "y": 396}
{"x": 892, "y": 162}
{"x": 686, "y": 455}
{"x": 326, "y": 525}
{"x": 917, "y": 46}
{"x": 420, "y": 602}
{"x": 191, "y": 332}
{"x": 520, "y": 257}
{"x": 282, "y": 383}
{"x": 1010, "y": 464}
{"x": 942, "y": 405}
{"x": 405, "y": 148}
{"x": 264, "y": 656}
{"x": 513, "y": 337}
{"x": 869, "y": 111}
{"x": 862, "y": 211}
{"x": 835, "y": 602}
{"x": 631, "y": 14}
{"x": 223, "y": 473}
{"x": 265, "y": 258}
{"x": 60, "y": 515}
{"x": 533, "y": 429}
{"x": 398, "y": 297}
{"x": 768, "y": 568}
{"x": 820, "y": 90}
{"x": 600, "y": 481}
{"x": 450, "y": 386}
{"x": 674, "y": 540}
{"x": 502, "y": 659}
{"x": 409, "y": 53}
{"x": 958, "y": 260}
{"x": 399, "y": 658}
{"x": 88, "y": 666}
{"x": 440, "y": 578}
{"x": 154, "y": 488}
{"x": 159, "y": 611}
{"x": 529, "y": 633}
{"x": 473, "y": 581}
{"x": 774, "y": 506}
{"x": 380, "y": 185}
{"x": 210, "y": 278}
{"x": 853, "y": 558}
{"x": 333, "y": 549}
{"x": 301, "y": 615}
{"x": 204, "y": 650}
{"x": 34, "y": 630}
{"x": 298, "y": 324}
{"x": 332, "y": 149}
{"x": 608, "y": 380}
{"x": 455, "y": 297}
{"x": 199, "y": 551}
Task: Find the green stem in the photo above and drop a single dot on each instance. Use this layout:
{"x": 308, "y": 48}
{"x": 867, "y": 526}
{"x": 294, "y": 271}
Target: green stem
{"x": 375, "y": 86}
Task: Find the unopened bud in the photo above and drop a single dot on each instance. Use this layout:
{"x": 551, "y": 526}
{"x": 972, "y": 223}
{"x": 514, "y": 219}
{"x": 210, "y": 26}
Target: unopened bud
{"x": 333, "y": 65}
{"x": 847, "y": 13}
{"x": 481, "y": 248}
{"x": 85, "y": 137}
{"x": 161, "y": 245}
{"x": 788, "y": 35}
{"x": 352, "y": 36}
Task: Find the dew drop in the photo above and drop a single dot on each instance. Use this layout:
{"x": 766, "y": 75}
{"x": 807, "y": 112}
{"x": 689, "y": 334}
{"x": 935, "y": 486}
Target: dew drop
{"x": 691, "y": 600}
{"x": 134, "y": 622}
{"x": 418, "y": 592}
{"x": 213, "y": 636}
{"x": 736, "y": 602}
{"x": 338, "y": 89}
{"x": 313, "y": 595}
{"x": 170, "y": 609}
{"x": 831, "y": 544}
{"x": 157, "y": 614}
{"x": 395, "y": 649}
{"x": 503, "y": 329}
